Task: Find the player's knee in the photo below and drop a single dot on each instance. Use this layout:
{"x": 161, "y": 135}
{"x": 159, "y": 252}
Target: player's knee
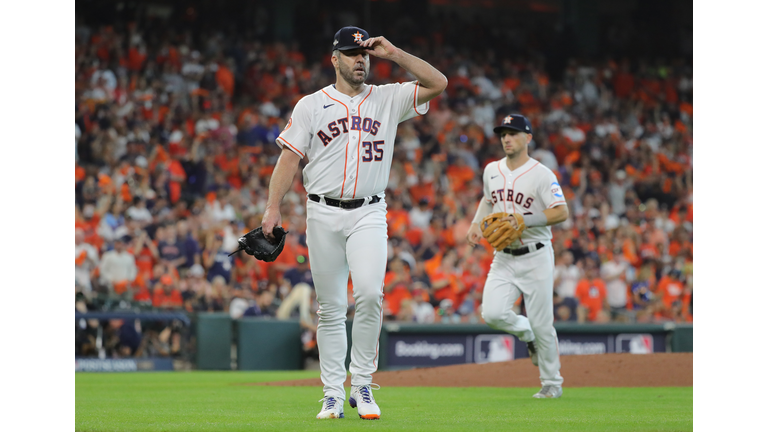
{"x": 542, "y": 331}
{"x": 495, "y": 317}
{"x": 368, "y": 297}
{"x": 332, "y": 310}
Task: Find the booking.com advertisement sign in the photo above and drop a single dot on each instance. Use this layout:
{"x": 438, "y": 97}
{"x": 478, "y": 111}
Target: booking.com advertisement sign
{"x": 423, "y": 350}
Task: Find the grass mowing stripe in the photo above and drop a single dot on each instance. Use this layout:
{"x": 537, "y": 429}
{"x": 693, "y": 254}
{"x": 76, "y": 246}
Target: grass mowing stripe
{"x": 217, "y": 401}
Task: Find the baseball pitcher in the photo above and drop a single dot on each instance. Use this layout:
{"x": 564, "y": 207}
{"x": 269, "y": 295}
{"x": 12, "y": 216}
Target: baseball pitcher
{"x": 347, "y": 132}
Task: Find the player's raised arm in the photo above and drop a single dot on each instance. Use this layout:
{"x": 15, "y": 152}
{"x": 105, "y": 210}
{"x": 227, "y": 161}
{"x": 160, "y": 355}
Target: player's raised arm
{"x": 281, "y": 180}
{"x": 431, "y": 80}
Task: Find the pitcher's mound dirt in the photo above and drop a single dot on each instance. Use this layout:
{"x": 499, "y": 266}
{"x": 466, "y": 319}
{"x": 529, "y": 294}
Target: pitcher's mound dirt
{"x": 600, "y": 370}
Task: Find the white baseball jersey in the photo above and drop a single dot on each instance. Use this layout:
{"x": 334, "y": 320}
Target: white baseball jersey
{"x": 531, "y": 188}
{"x": 349, "y": 140}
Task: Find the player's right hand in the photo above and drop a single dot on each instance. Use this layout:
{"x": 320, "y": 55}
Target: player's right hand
{"x": 474, "y": 235}
{"x": 511, "y": 219}
{"x": 272, "y": 218}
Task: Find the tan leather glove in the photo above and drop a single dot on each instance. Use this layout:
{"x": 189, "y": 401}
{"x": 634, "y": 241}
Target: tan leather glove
{"x": 500, "y": 234}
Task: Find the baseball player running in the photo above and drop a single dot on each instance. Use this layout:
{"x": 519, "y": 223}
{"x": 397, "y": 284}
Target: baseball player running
{"x": 347, "y": 132}
{"x": 525, "y": 198}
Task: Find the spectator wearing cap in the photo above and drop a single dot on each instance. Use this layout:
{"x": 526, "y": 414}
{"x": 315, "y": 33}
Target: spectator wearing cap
{"x": 118, "y": 268}
{"x": 299, "y": 281}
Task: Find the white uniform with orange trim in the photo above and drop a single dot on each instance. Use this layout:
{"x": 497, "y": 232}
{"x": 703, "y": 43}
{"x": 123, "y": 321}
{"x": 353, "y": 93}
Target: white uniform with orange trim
{"x": 349, "y": 144}
{"x": 531, "y": 188}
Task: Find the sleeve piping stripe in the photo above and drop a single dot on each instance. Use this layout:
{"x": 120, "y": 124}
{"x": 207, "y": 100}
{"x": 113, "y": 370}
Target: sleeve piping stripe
{"x": 291, "y": 146}
{"x": 556, "y": 202}
{"x": 415, "y": 94}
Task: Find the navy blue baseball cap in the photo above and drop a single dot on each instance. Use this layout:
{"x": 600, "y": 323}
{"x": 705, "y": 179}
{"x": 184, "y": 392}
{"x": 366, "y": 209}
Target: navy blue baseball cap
{"x": 347, "y": 37}
{"x": 516, "y": 122}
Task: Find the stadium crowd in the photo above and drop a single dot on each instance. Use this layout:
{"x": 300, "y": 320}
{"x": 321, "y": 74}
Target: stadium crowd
{"x": 175, "y": 148}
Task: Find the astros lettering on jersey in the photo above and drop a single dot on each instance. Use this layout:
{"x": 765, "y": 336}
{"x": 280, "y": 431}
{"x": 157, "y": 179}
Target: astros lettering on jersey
{"x": 349, "y": 140}
{"x": 531, "y": 188}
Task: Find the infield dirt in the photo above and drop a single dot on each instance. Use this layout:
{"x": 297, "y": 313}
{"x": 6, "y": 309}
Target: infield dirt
{"x": 601, "y": 370}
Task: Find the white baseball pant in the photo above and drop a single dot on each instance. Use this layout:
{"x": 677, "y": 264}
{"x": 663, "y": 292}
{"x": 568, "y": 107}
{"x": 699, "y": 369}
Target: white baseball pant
{"x": 342, "y": 241}
{"x": 532, "y": 275}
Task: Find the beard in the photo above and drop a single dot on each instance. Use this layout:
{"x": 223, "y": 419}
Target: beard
{"x": 350, "y": 76}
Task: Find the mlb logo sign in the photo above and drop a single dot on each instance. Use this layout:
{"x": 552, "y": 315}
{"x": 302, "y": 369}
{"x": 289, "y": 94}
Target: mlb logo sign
{"x": 494, "y": 348}
{"x": 634, "y": 343}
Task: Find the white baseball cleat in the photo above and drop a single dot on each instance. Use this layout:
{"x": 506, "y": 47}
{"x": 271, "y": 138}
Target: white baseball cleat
{"x": 549, "y": 392}
{"x": 361, "y": 398}
{"x": 532, "y": 353}
{"x": 332, "y": 408}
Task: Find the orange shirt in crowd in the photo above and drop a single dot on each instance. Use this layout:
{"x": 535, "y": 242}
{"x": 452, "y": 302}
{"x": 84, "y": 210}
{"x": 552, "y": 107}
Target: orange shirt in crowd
{"x": 79, "y": 173}
{"x": 397, "y": 221}
{"x": 161, "y": 299}
{"x": 145, "y": 262}
{"x": 89, "y": 228}
{"x": 225, "y": 79}
{"x": 670, "y": 290}
{"x": 591, "y": 295}
{"x": 395, "y": 296}
{"x": 450, "y": 291}
{"x": 176, "y": 170}
{"x": 459, "y": 176}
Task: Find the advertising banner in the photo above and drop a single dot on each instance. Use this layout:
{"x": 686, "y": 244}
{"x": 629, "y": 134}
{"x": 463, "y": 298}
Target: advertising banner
{"x": 123, "y": 365}
{"x": 429, "y": 350}
{"x": 425, "y": 349}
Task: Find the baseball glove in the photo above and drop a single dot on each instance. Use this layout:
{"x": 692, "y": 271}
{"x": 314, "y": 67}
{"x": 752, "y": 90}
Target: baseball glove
{"x": 256, "y": 244}
{"x": 500, "y": 234}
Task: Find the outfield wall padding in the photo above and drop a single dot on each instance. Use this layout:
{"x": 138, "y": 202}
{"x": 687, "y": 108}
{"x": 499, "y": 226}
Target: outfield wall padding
{"x": 268, "y": 344}
{"x": 214, "y": 341}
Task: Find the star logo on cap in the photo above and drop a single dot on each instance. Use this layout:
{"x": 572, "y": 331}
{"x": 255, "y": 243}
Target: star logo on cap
{"x": 358, "y": 37}
{"x": 507, "y": 119}
{"x": 335, "y": 42}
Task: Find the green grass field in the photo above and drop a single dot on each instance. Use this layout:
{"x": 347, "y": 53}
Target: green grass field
{"x": 218, "y": 401}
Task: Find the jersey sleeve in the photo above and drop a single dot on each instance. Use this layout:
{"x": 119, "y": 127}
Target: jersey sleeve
{"x": 550, "y": 191}
{"x": 297, "y": 133}
{"x": 486, "y": 187}
{"x": 406, "y": 95}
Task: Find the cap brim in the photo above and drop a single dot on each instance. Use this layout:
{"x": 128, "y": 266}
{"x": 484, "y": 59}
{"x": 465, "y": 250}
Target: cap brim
{"x": 347, "y": 48}
{"x": 498, "y": 129}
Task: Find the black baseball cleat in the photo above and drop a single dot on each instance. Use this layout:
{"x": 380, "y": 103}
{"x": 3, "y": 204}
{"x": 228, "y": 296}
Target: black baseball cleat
{"x": 532, "y": 353}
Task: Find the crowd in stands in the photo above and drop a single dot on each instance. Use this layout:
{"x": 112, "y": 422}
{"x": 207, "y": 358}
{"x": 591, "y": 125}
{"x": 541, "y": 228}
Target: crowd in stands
{"x": 175, "y": 149}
